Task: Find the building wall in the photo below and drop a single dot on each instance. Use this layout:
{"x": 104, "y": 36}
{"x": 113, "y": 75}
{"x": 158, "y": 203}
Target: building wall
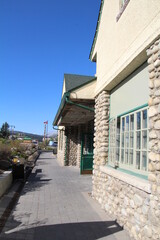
{"x": 72, "y": 145}
{"x": 121, "y": 45}
{"x": 132, "y": 200}
{"x": 69, "y": 143}
{"x": 127, "y": 90}
{"x": 61, "y": 148}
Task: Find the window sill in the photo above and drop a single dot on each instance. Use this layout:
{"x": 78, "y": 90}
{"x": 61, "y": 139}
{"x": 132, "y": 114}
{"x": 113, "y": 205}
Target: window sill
{"x": 136, "y": 182}
{"x": 122, "y": 10}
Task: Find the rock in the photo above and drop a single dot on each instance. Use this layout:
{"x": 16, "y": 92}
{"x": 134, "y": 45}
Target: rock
{"x": 152, "y": 111}
{"x": 157, "y": 63}
{"x": 148, "y": 231}
{"x": 157, "y": 83}
{"x": 151, "y": 177}
{"x": 137, "y": 200}
{"x": 145, "y": 209}
{"x": 157, "y": 124}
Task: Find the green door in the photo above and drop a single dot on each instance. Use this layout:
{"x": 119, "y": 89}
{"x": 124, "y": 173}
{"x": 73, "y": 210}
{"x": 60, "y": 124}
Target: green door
{"x": 87, "y": 154}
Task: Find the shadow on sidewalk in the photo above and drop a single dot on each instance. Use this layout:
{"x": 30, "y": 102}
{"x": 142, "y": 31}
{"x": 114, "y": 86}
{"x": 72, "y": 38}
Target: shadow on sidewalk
{"x": 68, "y": 231}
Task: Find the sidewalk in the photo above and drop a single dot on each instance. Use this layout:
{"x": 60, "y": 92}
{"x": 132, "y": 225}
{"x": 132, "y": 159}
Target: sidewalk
{"x": 55, "y": 204}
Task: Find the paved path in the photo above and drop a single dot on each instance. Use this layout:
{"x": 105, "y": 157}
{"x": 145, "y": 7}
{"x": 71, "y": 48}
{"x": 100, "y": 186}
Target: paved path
{"x": 55, "y": 204}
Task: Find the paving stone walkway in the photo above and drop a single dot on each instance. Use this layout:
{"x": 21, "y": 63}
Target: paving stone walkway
{"x": 56, "y": 204}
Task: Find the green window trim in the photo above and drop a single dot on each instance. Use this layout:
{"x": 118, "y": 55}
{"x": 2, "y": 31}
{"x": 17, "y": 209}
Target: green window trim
{"x": 129, "y": 172}
{"x": 128, "y": 167}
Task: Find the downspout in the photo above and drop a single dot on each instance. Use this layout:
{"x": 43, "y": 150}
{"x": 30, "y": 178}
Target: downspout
{"x": 79, "y": 105}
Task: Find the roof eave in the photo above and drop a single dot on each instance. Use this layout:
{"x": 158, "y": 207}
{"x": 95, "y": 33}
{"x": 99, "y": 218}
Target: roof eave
{"x": 60, "y": 109}
{"x": 96, "y": 32}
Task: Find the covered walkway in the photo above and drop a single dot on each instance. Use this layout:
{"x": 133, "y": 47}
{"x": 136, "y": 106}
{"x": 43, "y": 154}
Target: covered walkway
{"x": 56, "y": 204}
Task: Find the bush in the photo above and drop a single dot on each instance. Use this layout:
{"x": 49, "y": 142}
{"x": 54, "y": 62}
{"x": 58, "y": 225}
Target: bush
{"x": 5, "y": 152}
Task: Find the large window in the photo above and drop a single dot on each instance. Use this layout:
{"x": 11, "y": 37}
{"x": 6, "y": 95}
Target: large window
{"x": 128, "y": 147}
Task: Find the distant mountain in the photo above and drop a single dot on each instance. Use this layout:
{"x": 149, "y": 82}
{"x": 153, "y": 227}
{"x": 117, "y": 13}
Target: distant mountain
{"x": 31, "y": 135}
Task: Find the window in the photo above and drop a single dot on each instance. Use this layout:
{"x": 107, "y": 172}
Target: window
{"x": 129, "y": 141}
{"x": 122, "y": 5}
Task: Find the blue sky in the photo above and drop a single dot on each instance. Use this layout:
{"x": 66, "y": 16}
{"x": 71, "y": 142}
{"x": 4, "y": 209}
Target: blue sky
{"x": 40, "y": 41}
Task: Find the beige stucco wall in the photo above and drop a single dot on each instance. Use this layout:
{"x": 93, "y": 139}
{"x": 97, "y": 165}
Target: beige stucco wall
{"x": 120, "y": 43}
{"x": 133, "y": 92}
{"x": 84, "y": 92}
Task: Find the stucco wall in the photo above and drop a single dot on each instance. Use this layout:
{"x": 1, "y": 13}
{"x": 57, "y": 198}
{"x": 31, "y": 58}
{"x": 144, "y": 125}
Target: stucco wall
{"x": 120, "y": 43}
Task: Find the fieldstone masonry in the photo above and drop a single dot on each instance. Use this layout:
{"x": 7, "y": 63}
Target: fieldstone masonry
{"x": 153, "y": 54}
{"x": 135, "y": 207}
{"x": 101, "y": 141}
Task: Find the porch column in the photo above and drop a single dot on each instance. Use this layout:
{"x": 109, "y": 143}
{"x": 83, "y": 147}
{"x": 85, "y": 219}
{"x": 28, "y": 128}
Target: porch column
{"x": 154, "y": 138}
{"x": 101, "y": 140}
{"x": 79, "y": 146}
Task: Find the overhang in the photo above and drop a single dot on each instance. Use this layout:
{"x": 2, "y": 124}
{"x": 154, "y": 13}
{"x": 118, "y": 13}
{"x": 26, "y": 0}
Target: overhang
{"x": 77, "y": 106}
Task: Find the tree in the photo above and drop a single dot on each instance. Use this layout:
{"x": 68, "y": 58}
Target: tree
{"x": 4, "y": 132}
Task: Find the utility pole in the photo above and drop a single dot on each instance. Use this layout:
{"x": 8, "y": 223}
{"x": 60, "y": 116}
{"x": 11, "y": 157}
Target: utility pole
{"x": 12, "y": 129}
{"x": 45, "y": 130}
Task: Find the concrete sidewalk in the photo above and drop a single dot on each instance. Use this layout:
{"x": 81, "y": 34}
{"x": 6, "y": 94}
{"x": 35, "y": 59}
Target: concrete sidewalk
{"x": 55, "y": 204}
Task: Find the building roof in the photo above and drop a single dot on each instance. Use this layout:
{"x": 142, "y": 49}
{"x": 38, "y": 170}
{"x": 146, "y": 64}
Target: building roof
{"x": 97, "y": 29}
{"x": 73, "y": 81}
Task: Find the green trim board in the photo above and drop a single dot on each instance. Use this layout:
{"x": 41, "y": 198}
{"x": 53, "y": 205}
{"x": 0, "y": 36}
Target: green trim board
{"x": 80, "y": 105}
{"x": 134, "y": 109}
{"x": 97, "y": 30}
{"x": 62, "y": 104}
{"x": 129, "y": 172}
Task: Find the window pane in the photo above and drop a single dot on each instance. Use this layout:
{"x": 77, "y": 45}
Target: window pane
{"x": 131, "y": 157}
{"x": 144, "y": 139}
{"x": 144, "y": 161}
{"x": 138, "y": 160}
{"x": 117, "y": 154}
{"x": 131, "y": 139}
{"x": 118, "y": 141}
{"x": 132, "y": 122}
{"x": 144, "y": 118}
{"x": 138, "y": 120}
{"x": 126, "y": 140}
{"x": 122, "y": 139}
{"x": 138, "y": 140}
{"x": 126, "y": 156}
{"x": 123, "y": 124}
{"x": 122, "y": 155}
{"x": 127, "y": 123}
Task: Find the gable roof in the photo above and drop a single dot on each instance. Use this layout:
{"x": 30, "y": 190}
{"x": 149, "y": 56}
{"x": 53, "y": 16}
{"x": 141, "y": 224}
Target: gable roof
{"x": 97, "y": 29}
{"x": 73, "y": 81}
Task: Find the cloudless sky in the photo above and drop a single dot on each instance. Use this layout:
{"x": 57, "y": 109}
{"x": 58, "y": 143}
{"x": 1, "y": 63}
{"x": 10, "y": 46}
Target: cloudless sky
{"x": 40, "y": 40}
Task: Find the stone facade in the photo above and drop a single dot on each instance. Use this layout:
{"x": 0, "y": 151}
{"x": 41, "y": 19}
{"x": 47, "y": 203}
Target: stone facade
{"x": 69, "y": 145}
{"x": 61, "y": 149}
{"x": 153, "y": 54}
{"x": 101, "y": 140}
{"x": 72, "y": 134}
{"x": 134, "y": 202}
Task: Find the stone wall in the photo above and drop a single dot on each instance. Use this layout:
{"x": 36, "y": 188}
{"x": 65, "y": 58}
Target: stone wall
{"x": 100, "y": 140}
{"x": 79, "y": 146}
{"x": 153, "y": 54}
{"x": 61, "y": 149}
{"x": 134, "y": 202}
{"x": 72, "y": 145}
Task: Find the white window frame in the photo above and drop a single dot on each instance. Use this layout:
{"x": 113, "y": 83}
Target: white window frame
{"x": 113, "y": 148}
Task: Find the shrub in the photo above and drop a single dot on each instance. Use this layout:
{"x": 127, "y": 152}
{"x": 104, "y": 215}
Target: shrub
{"x": 5, "y": 152}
